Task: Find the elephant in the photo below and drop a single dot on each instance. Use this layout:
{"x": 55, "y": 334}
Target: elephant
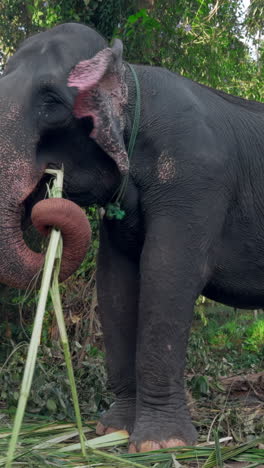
{"x": 181, "y": 213}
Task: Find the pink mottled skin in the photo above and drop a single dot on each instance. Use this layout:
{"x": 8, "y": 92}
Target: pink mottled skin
{"x": 88, "y": 73}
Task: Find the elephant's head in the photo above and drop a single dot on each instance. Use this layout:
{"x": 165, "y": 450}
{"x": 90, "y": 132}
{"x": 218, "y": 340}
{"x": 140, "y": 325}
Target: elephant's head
{"x": 52, "y": 112}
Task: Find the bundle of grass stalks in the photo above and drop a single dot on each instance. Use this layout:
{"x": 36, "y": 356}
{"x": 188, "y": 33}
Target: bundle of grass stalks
{"x": 46, "y": 444}
{"x": 54, "y": 444}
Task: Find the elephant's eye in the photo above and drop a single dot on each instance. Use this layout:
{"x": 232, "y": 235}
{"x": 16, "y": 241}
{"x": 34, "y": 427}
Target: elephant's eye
{"x": 51, "y": 99}
{"x": 52, "y": 111}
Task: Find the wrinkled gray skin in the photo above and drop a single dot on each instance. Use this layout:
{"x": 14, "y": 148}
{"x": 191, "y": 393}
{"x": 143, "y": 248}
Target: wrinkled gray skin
{"x": 194, "y": 206}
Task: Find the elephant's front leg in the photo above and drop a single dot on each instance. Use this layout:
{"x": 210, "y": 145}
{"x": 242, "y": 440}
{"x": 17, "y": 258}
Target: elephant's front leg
{"x": 173, "y": 270}
{"x": 117, "y": 286}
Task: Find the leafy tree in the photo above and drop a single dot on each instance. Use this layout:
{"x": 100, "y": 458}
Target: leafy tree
{"x": 255, "y": 17}
{"x": 197, "y": 40}
{"x": 255, "y": 28}
{"x": 22, "y": 18}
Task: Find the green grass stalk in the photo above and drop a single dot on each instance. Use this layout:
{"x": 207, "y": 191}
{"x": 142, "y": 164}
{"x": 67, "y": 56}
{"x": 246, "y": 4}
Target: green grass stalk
{"x": 116, "y": 459}
{"x": 37, "y": 328}
{"x": 56, "y": 191}
{"x": 34, "y": 344}
{"x": 55, "y": 295}
{"x": 218, "y": 453}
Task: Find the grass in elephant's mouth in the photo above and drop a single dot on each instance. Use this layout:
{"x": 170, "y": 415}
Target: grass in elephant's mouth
{"x": 39, "y": 193}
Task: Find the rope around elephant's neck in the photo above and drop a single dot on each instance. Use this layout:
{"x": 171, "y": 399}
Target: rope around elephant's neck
{"x": 113, "y": 209}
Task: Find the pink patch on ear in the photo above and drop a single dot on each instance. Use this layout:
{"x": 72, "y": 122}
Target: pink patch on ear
{"x": 84, "y": 108}
{"x": 88, "y": 73}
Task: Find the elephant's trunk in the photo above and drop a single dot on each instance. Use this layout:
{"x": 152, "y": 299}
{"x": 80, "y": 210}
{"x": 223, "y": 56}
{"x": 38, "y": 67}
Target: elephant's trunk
{"x": 74, "y": 225}
{"x": 20, "y": 172}
{"x": 20, "y": 265}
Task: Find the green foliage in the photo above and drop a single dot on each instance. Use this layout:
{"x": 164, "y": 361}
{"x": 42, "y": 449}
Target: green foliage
{"x": 20, "y": 19}
{"x": 87, "y": 267}
{"x": 51, "y": 390}
{"x": 200, "y": 309}
{"x": 227, "y": 344}
{"x": 199, "y": 385}
{"x": 255, "y": 17}
{"x": 199, "y": 41}
{"x": 15, "y": 25}
{"x": 255, "y": 337}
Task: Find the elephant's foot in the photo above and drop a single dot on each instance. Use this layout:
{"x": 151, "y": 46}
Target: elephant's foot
{"x": 160, "y": 431}
{"x": 150, "y": 445}
{"x": 121, "y": 415}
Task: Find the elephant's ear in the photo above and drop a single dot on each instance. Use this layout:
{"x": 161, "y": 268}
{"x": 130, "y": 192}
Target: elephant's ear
{"x": 102, "y": 95}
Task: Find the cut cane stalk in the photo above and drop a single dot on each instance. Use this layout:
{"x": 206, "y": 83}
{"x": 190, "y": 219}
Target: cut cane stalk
{"x": 52, "y": 257}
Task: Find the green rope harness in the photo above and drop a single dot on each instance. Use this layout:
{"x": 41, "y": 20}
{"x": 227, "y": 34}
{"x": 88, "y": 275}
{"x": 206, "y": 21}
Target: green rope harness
{"x": 113, "y": 210}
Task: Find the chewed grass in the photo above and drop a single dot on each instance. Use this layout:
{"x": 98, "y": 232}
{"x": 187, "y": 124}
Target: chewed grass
{"x": 56, "y": 444}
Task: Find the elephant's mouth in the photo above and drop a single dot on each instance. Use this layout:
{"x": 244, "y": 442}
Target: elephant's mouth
{"x": 39, "y": 193}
